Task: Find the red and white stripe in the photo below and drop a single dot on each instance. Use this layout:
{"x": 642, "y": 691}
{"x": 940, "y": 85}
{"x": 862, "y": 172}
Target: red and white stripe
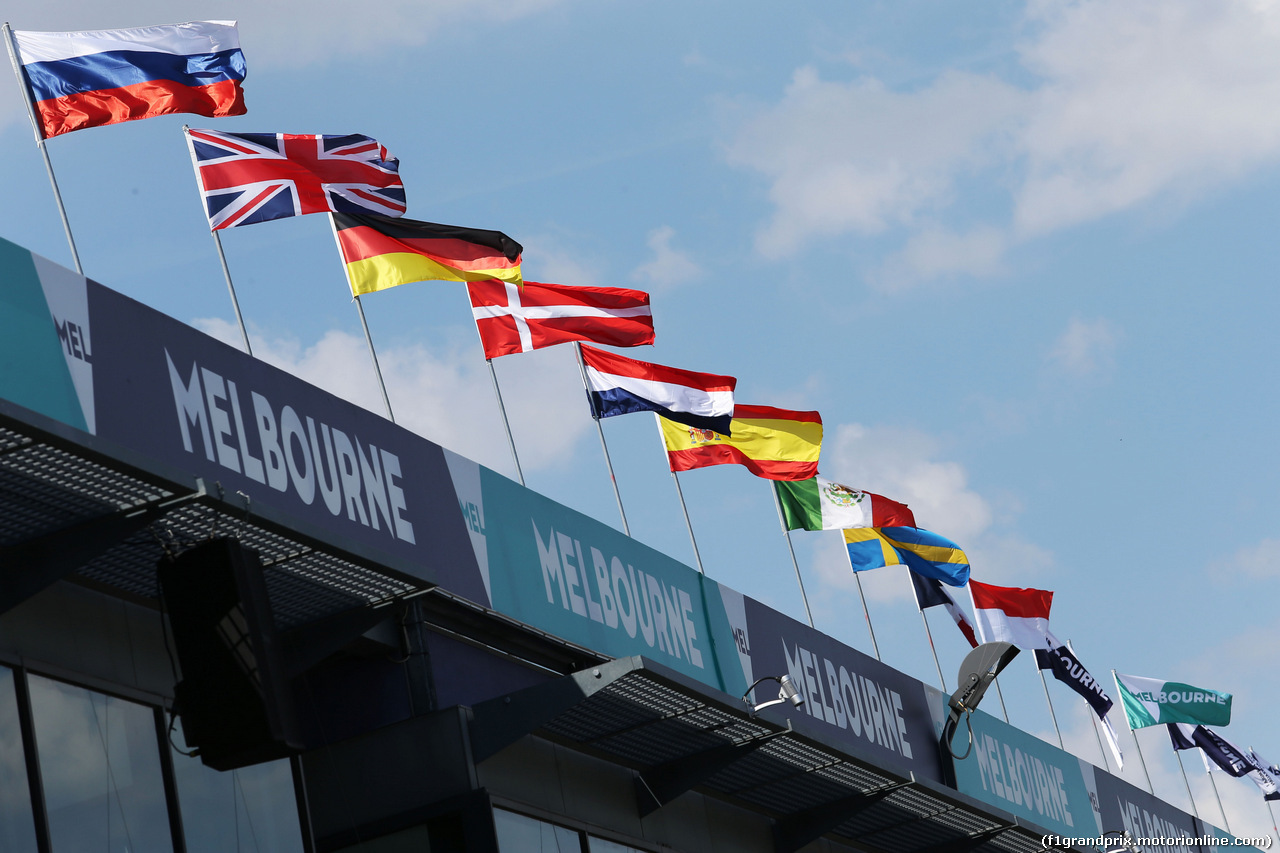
{"x": 1012, "y": 615}
{"x": 673, "y": 388}
{"x": 511, "y": 319}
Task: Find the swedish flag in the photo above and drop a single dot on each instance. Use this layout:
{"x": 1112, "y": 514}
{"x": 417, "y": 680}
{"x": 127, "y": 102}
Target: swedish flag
{"x": 923, "y": 551}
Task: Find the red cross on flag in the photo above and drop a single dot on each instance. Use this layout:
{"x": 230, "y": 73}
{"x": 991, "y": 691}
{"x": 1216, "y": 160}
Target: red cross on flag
{"x": 252, "y": 177}
{"x": 512, "y": 319}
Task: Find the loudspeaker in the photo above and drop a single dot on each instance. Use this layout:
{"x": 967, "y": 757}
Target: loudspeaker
{"x": 234, "y": 699}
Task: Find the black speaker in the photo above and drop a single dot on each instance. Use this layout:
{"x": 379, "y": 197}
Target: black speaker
{"x": 234, "y": 699}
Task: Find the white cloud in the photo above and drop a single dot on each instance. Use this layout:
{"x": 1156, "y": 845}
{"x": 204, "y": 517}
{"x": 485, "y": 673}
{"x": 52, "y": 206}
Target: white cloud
{"x": 1086, "y": 347}
{"x": 1253, "y": 562}
{"x": 669, "y": 266}
{"x": 446, "y": 397}
{"x": 935, "y": 252}
{"x": 1142, "y": 98}
{"x": 903, "y": 465}
{"x": 857, "y": 157}
{"x": 1130, "y": 101}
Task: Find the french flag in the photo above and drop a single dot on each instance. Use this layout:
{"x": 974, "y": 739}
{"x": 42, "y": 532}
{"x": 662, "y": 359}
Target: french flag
{"x": 93, "y": 78}
{"x": 619, "y": 386}
{"x": 1012, "y": 615}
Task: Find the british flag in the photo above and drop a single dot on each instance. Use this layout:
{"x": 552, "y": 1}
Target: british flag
{"x": 252, "y": 177}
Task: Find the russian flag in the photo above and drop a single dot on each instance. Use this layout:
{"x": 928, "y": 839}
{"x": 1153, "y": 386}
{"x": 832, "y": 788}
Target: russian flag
{"x": 619, "y": 386}
{"x": 88, "y": 79}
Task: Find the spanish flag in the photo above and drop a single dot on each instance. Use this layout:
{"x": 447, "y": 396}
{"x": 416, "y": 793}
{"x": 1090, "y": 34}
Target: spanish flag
{"x": 777, "y": 444}
{"x": 382, "y": 252}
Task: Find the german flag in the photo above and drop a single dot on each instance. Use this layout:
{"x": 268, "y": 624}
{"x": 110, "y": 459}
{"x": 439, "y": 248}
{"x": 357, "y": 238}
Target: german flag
{"x": 382, "y": 252}
{"x": 776, "y": 444}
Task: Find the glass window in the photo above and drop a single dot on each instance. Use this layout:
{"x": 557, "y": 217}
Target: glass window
{"x": 601, "y": 845}
{"x": 250, "y": 809}
{"x": 519, "y": 833}
{"x": 100, "y": 763}
{"x": 17, "y": 826}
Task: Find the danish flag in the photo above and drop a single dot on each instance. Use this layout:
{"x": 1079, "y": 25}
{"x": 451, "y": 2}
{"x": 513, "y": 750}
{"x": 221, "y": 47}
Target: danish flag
{"x": 512, "y": 319}
{"x": 253, "y": 177}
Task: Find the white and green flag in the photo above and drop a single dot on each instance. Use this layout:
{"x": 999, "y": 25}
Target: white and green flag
{"x": 820, "y": 504}
{"x": 1151, "y": 701}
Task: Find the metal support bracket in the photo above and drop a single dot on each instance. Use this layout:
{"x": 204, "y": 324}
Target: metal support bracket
{"x": 662, "y": 783}
{"x": 37, "y": 563}
{"x": 794, "y": 832}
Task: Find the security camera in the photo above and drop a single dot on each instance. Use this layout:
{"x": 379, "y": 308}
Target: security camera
{"x": 789, "y": 691}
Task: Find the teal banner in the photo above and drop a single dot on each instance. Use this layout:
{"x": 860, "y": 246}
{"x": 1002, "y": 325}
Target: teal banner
{"x": 1021, "y": 774}
{"x": 570, "y": 575}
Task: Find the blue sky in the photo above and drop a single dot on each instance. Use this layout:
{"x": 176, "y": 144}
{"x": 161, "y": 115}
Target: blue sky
{"x": 1018, "y": 255}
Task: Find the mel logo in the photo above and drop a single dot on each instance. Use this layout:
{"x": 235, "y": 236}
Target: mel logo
{"x": 75, "y": 340}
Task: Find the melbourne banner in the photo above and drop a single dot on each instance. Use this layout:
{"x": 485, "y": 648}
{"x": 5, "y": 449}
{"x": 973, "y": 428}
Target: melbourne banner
{"x": 1151, "y": 701}
{"x": 130, "y": 381}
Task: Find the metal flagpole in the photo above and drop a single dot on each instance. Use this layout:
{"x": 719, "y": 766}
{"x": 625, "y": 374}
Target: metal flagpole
{"x": 697, "y": 557}
{"x": 1272, "y": 812}
{"x": 787, "y": 533}
{"x": 235, "y": 303}
{"x": 1178, "y": 755}
{"x": 374, "y": 355}
{"x": 502, "y": 408}
{"x": 865, "y": 612}
{"x": 359, "y": 308}
{"x": 1052, "y": 715}
{"x": 505, "y": 423}
{"x": 40, "y": 141}
{"x": 1226, "y": 824}
{"x": 1141, "y": 758}
{"x": 1000, "y": 696}
{"x": 582, "y": 369}
{"x": 1093, "y": 718}
{"x": 928, "y": 633}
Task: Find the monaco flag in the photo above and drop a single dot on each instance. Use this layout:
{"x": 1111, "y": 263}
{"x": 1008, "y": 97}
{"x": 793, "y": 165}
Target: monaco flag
{"x": 512, "y": 319}
{"x": 1012, "y": 615}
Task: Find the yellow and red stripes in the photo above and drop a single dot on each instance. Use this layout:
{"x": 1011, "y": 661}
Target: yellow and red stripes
{"x": 776, "y": 444}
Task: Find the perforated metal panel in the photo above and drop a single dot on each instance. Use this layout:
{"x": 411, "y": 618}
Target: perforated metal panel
{"x": 49, "y": 485}
{"x": 644, "y": 720}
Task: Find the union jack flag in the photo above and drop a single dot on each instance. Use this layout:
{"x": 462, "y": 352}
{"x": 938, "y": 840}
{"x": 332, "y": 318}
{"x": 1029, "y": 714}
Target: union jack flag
{"x": 252, "y": 177}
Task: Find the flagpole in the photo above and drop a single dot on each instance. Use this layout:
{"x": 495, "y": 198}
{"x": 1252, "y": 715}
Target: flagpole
{"x": 1132, "y": 731}
{"x": 1093, "y": 718}
{"x": 374, "y": 355}
{"x": 1000, "y": 696}
{"x": 11, "y": 42}
{"x": 582, "y": 370}
{"x": 1272, "y": 812}
{"x": 377, "y": 369}
{"x": 928, "y": 633}
{"x": 865, "y": 612}
{"x": 1178, "y": 755}
{"x": 1226, "y": 824}
{"x": 1053, "y": 716}
{"x": 235, "y": 303}
{"x": 505, "y": 423}
{"x": 777, "y": 504}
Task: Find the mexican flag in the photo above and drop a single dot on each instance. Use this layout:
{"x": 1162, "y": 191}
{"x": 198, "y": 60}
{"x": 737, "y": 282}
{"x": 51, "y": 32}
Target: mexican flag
{"x": 820, "y": 504}
{"x": 1151, "y": 701}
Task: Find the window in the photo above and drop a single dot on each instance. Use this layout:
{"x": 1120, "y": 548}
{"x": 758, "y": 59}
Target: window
{"x": 100, "y": 763}
{"x": 518, "y": 833}
{"x": 17, "y": 826}
{"x": 251, "y": 809}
